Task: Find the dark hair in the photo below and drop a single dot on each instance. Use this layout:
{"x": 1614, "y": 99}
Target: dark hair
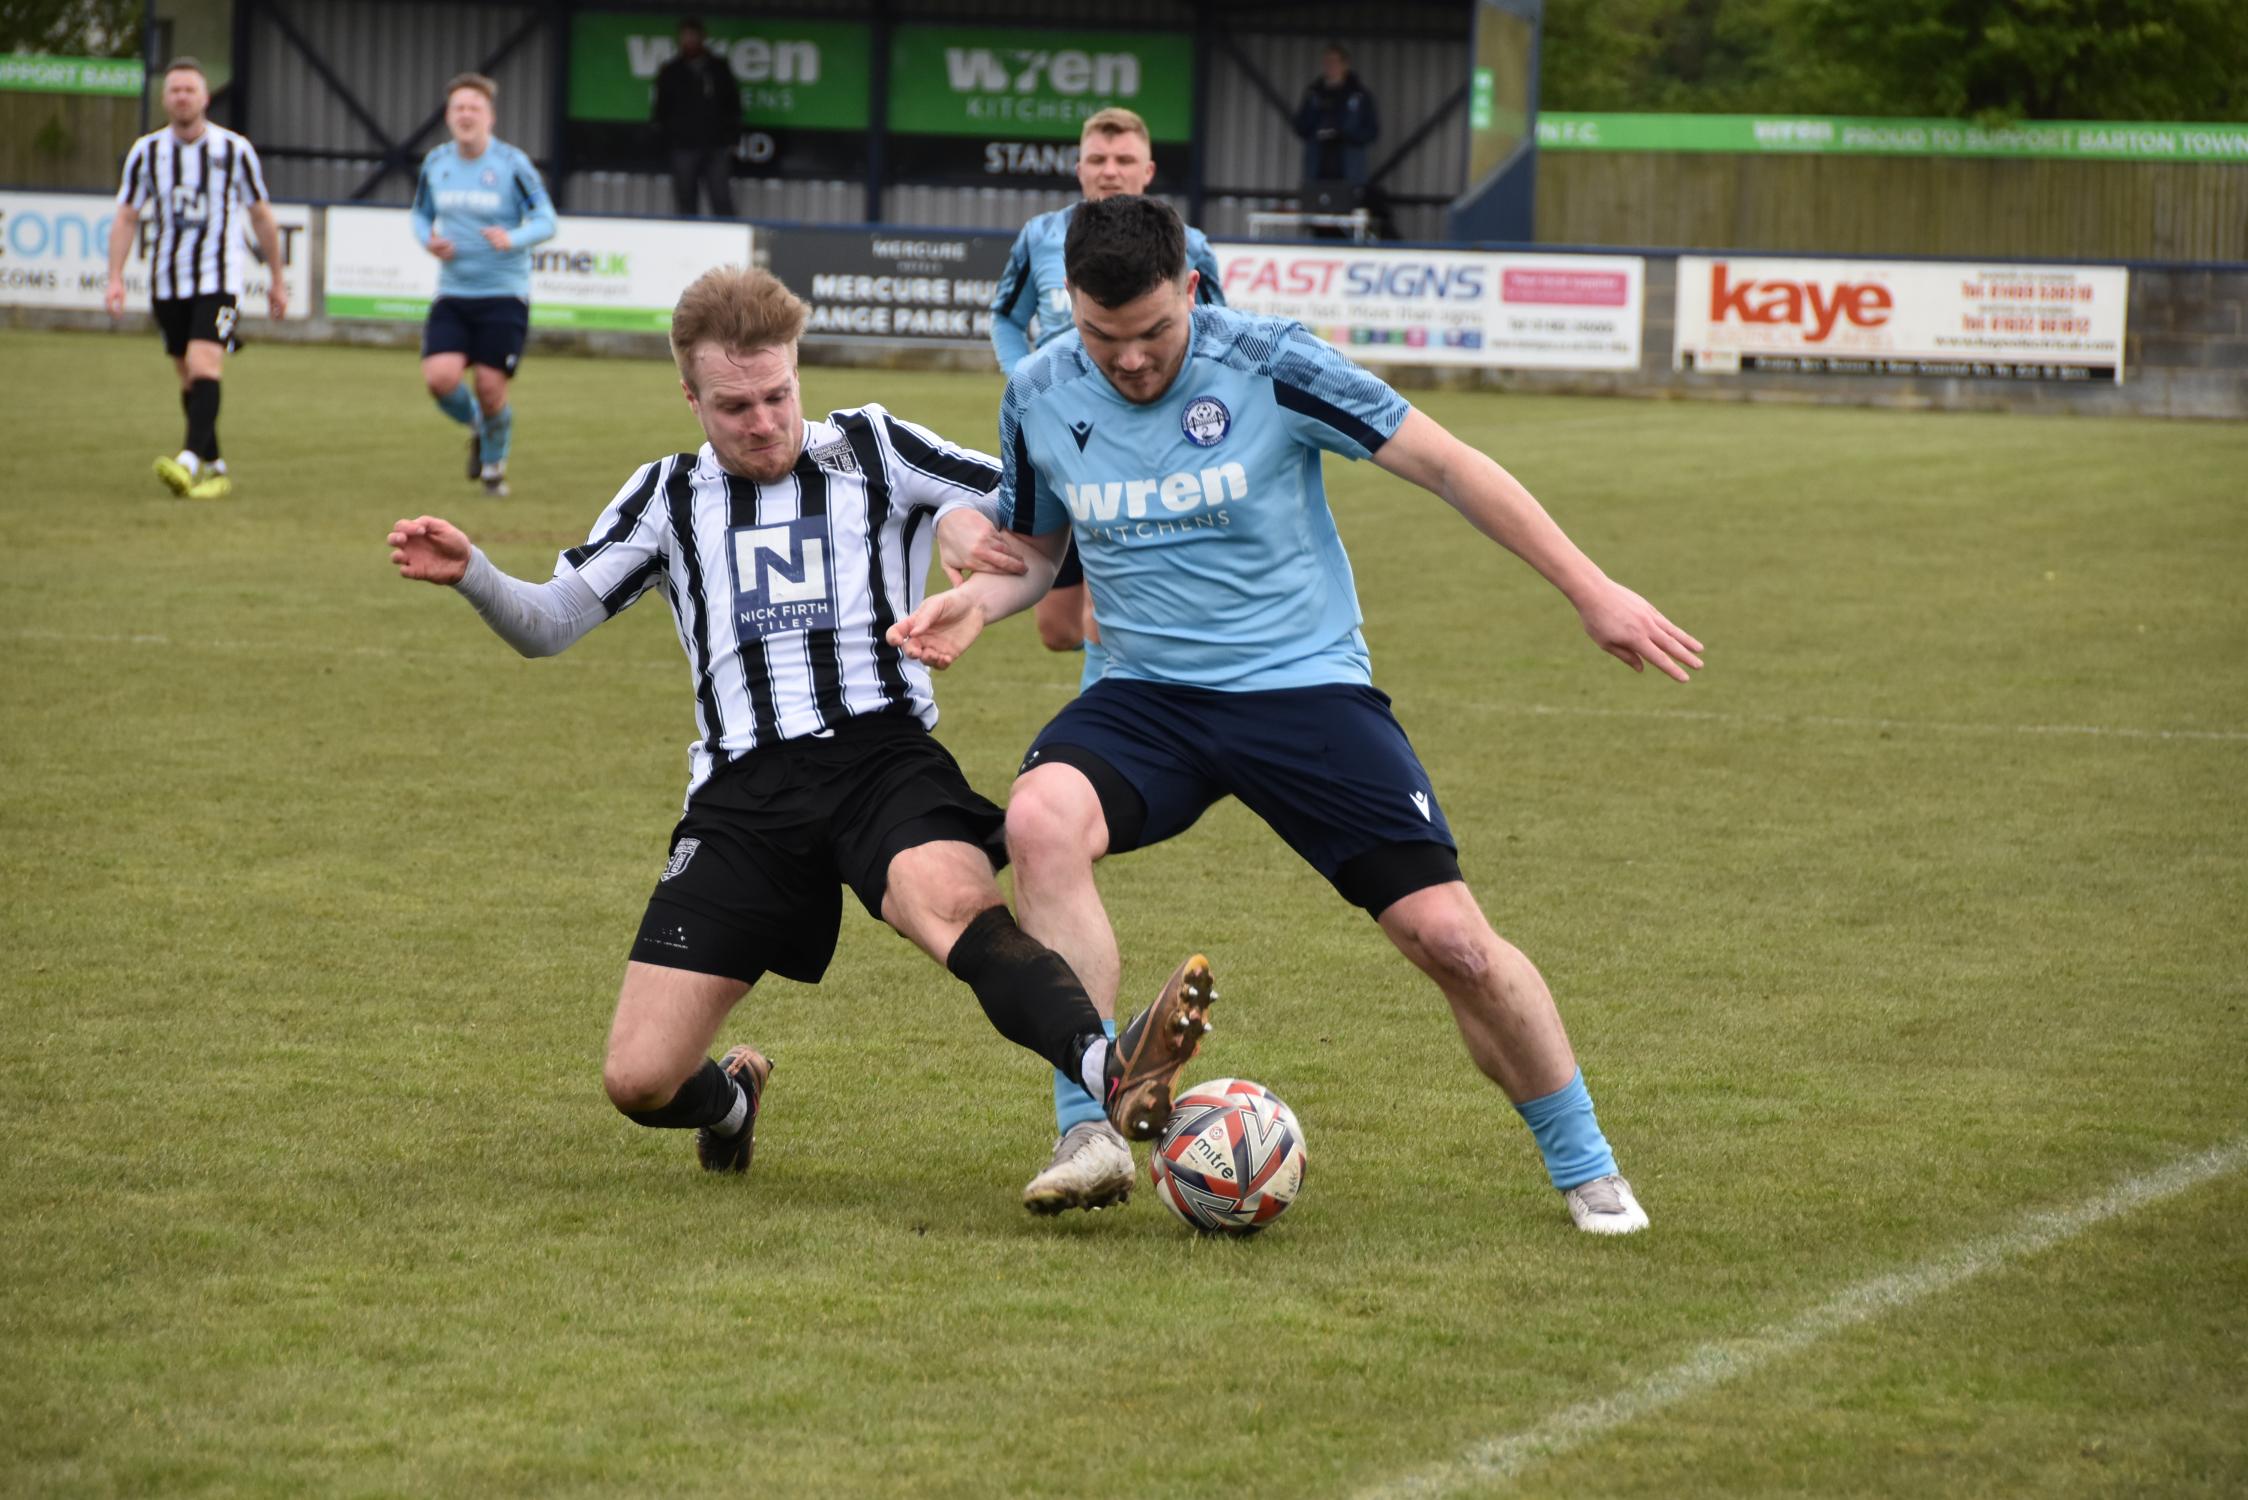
{"x": 1122, "y": 248}
{"x": 692, "y": 23}
{"x": 184, "y": 64}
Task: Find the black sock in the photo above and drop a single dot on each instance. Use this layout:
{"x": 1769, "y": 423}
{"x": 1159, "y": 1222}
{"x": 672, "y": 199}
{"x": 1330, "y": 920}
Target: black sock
{"x": 704, "y": 1099}
{"x": 202, "y": 403}
{"x": 1030, "y": 993}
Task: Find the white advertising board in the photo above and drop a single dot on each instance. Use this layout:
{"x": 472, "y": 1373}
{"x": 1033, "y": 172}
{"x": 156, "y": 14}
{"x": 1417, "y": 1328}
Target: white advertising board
{"x": 1448, "y": 307}
{"x": 54, "y": 252}
{"x": 1972, "y": 319}
{"x": 594, "y": 273}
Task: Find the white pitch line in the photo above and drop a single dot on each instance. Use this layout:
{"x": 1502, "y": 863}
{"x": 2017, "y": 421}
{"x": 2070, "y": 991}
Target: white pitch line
{"x": 1497, "y": 1461}
{"x": 1062, "y": 686}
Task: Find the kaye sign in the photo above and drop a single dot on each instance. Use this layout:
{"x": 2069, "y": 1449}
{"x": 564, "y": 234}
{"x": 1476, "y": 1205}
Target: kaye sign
{"x": 804, "y": 85}
{"x": 1966, "y": 319}
{"x": 976, "y": 103}
{"x": 915, "y": 287}
{"x": 54, "y": 252}
{"x": 1437, "y": 307}
{"x": 622, "y": 274}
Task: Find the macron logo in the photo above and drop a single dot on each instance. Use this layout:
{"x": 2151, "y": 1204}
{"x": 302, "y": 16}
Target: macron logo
{"x": 1107, "y": 500}
{"x": 1420, "y": 800}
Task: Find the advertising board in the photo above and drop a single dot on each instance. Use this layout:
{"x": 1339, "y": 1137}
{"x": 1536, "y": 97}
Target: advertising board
{"x": 54, "y": 252}
{"x": 1970, "y": 319}
{"x": 595, "y": 273}
{"x": 1447, "y": 307}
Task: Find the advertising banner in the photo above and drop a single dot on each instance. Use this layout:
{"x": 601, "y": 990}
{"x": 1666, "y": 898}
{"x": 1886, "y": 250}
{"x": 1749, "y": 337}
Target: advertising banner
{"x": 595, "y": 273}
{"x": 917, "y": 287}
{"x": 1859, "y": 135}
{"x": 977, "y": 103}
{"x": 30, "y": 73}
{"x": 1441, "y": 307}
{"x": 54, "y": 252}
{"x": 1975, "y": 320}
{"x": 804, "y": 86}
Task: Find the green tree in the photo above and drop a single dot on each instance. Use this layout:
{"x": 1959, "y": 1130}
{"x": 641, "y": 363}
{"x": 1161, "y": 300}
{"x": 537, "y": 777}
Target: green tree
{"x": 2043, "y": 59}
{"x": 71, "y": 28}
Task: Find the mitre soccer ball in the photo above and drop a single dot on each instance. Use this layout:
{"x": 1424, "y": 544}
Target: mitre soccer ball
{"x": 1231, "y": 1158}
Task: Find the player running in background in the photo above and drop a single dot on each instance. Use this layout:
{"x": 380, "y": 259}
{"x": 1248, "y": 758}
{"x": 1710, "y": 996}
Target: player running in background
{"x": 479, "y": 208}
{"x": 785, "y": 549}
{"x": 190, "y": 177}
{"x": 1114, "y": 157}
{"x": 1182, "y": 446}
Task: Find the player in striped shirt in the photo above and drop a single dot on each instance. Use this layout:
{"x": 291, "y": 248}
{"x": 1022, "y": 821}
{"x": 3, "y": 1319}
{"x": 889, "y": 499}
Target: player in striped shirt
{"x": 1182, "y": 447}
{"x": 190, "y": 178}
{"x": 479, "y": 207}
{"x": 785, "y": 548}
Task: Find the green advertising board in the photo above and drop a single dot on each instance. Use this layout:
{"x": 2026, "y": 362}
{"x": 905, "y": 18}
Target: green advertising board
{"x": 1855, "y": 135}
{"x": 29, "y": 73}
{"x": 1037, "y": 85}
{"x": 806, "y": 75}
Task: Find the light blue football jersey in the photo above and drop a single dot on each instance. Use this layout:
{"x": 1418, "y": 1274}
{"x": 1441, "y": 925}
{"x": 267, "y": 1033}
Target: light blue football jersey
{"x": 467, "y": 195}
{"x": 1032, "y": 286}
{"x": 1201, "y": 518}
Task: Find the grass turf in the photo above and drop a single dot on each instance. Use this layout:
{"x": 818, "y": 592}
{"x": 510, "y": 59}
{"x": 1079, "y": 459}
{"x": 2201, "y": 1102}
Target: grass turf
{"x": 1919, "y": 911}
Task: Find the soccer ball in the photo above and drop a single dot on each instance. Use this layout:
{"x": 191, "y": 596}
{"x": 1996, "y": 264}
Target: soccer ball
{"x": 1231, "y": 1157}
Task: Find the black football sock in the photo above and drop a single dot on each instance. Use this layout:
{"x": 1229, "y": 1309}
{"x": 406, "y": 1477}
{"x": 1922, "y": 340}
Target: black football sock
{"x": 1030, "y": 993}
{"x": 202, "y": 404}
{"x": 707, "y": 1098}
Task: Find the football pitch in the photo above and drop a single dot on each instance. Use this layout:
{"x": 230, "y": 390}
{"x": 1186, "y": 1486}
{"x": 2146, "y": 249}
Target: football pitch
{"x": 1904, "y": 951}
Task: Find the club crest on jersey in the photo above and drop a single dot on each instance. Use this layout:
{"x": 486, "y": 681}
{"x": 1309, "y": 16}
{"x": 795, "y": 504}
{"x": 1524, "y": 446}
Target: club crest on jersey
{"x": 837, "y": 457}
{"x": 681, "y": 852}
{"x": 489, "y": 178}
{"x": 1206, "y": 421}
{"x": 782, "y": 578}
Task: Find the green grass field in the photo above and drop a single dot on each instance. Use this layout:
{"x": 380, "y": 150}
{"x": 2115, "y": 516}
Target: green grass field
{"x": 1918, "y": 915}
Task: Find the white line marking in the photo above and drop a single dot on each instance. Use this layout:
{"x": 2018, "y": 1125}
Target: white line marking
{"x": 1064, "y": 686}
{"x": 1499, "y": 1460}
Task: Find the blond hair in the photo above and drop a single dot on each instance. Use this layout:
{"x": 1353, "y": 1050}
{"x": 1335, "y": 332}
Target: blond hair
{"x": 476, "y": 81}
{"x": 740, "y": 309}
{"x": 1117, "y": 120}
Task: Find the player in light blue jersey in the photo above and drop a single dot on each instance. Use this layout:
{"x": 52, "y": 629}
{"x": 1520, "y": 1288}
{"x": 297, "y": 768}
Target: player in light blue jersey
{"x": 1114, "y": 156}
{"x": 1181, "y": 447}
{"x": 479, "y": 208}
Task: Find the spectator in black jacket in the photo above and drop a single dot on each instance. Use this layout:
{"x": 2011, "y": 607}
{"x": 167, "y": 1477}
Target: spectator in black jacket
{"x": 698, "y": 112}
{"x": 1337, "y": 122}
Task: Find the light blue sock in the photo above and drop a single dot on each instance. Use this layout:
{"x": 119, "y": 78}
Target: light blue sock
{"x": 458, "y": 404}
{"x": 1569, "y": 1135}
{"x": 498, "y": 427}
{"x": 1072, "y": 1105}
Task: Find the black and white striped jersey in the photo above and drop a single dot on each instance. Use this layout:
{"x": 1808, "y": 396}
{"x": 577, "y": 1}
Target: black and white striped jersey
{"x": 191, "y": 192}
{"x": 783, "y": 592}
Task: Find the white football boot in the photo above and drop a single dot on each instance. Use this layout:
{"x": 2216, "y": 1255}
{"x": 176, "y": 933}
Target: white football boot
{"x": 1605, "y": 1205}
{"x": 1092, "y": 1168}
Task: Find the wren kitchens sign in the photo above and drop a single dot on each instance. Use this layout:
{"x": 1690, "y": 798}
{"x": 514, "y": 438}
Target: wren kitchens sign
{"x": 1858, "y": 135}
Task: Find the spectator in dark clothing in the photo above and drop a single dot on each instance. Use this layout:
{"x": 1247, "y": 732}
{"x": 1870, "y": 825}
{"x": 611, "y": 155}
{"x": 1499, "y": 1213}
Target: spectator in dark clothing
{"x": 698, "y": 113}
{"x": 1337, "y": 122}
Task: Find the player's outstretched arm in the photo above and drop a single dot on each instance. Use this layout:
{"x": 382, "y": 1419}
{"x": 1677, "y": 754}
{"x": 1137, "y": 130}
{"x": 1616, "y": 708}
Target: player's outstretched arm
{"x": 537, "y": 619}
{"x": 947, "y": 624}
{"x": 1621, "y": 623}
{"x": 968, "y": 543}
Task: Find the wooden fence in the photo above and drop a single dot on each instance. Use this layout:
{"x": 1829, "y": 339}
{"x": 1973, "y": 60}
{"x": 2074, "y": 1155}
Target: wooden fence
{"x": 1883, "y": 205}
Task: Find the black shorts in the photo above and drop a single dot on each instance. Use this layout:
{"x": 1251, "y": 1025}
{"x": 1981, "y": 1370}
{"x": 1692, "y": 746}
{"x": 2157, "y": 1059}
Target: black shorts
{"x": 489, "y": 330}
{"x": 1328, "y": 768}
{"x": 759, "y": 859}
{"x": 210, "y": 318}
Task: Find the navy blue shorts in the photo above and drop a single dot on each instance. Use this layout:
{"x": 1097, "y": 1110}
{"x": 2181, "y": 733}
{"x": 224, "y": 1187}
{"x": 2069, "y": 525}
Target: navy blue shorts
{"x": 1328, "y": 768}
{"x": 489, "y": 330}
